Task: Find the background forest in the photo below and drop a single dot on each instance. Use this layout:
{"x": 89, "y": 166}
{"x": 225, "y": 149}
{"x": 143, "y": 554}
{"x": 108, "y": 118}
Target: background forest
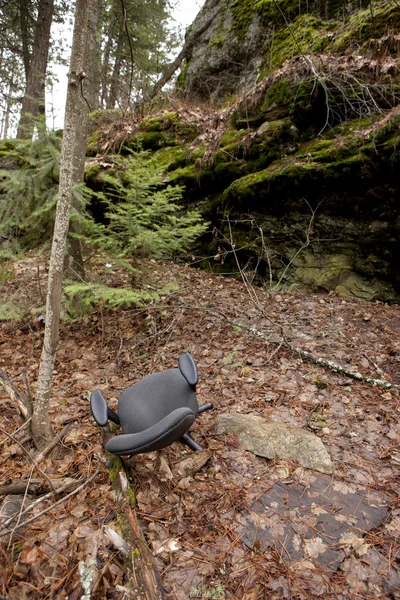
{"x": 231, "y": 191}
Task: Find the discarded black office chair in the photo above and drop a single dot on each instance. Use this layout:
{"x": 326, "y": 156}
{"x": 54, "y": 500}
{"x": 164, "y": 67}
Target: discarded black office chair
{"x": 155, "y": 412}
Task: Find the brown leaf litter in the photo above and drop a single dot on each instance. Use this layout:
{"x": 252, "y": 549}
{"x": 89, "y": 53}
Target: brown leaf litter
{"x": 224, "y": 523}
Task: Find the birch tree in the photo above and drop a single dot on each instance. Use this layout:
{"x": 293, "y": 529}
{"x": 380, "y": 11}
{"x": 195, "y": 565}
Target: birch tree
{"x": 41, "y": 427}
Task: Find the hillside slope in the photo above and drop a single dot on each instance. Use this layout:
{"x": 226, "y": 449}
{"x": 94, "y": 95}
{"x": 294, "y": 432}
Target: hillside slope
{"x": 289, "y": 125}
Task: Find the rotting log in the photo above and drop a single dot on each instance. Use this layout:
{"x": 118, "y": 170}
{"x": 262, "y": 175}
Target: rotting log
{"x": 142, "y": 574}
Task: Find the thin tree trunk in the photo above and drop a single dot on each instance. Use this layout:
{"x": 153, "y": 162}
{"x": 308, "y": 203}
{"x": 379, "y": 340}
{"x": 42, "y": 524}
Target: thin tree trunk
{"x": 75, "y": 268}
{"x": 41, "y": 428}
{"x": 33, "y": 103}
{"x": 115, "y": 78}
{"x": 106, "y": 61}
{"x": 184, "y": 53}
{"x": 23, "y": 20}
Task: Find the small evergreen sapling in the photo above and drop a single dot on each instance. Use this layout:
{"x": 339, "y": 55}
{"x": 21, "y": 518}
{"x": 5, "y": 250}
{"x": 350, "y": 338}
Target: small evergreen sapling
{"x": 143, "y": 219}
{"x": 143, "y": 214}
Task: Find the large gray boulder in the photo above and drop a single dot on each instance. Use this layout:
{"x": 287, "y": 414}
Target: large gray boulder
{"x": 277, "y": 440}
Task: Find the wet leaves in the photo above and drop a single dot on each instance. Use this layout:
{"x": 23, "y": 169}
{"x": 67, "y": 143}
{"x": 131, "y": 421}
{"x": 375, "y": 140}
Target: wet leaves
{"x": 192, "y": 504}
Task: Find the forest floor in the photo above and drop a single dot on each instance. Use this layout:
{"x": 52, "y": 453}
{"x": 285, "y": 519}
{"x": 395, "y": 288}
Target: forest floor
{"x": 193, "y": 516}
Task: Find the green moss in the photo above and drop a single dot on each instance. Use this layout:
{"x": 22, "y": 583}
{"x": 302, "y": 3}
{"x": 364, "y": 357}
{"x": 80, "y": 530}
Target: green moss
{"x": 218, "y": 41}
{"x": 115, "y": 468}
{"x": 186, "y": 176}
{"x": 92, "y": 173}
{"x": 307, "y": 34}
{"x": 220, "y": 32}
{"x": 231, "y": 138}
{"x": 160, "y": 123}
{"x": 93, "y": 143}
{"x": 181, "y": 81}
{"x": 360, "y": 27}
{"x": 170, "y": 126}
{"x": 172, "y": 157}
{"x": 153, "y": 140}
{"x": 104, "y": 116}
{"x": 197, "y": 153}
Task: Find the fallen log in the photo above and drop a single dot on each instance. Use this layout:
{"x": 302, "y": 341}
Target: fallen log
{"x": 143, "y": 577}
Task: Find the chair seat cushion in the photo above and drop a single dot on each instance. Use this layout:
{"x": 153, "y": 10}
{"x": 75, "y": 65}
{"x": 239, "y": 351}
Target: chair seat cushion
{"x": 153, "y": 398}
{"x": 160, "y": 435}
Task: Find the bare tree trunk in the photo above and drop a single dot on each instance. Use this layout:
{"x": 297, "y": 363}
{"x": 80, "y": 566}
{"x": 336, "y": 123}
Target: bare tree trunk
{"x": 74, "y": 265}
{"x": 41, "y": 428}
{"x": 23, "y": 21}
{"x": 33, "y": 103}
{"x": 186, "y": 52}
{"x": 106, "y": 61}
{"x": 115, "y": 78}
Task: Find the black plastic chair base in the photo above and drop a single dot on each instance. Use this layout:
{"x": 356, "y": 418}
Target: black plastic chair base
{"x": 186, "y": 439}
{"x": 208, "y": 406}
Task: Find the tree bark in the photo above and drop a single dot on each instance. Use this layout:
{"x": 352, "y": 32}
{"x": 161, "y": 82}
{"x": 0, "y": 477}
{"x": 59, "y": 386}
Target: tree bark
{"x": 33, "y": 103}
{"x": 74, "y": 265}
{"x": 23, "y": 21}
{"x": 184, "y": 53}
{"x": 115, "y": 78}
{"x": 106, "y": 60}
{"x": 41, "y": 428}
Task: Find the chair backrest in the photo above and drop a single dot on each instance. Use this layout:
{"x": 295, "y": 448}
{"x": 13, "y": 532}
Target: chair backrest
{"x": 153, "y": 398}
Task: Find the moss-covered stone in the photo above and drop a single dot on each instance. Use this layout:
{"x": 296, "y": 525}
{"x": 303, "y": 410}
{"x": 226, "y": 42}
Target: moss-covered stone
{"x": 93, "y": 174}
{"x": 362, "y": 25}
{"x": 93, "y": 144}
{"x": 153, "y": 140}
{"x": 171, "y": 126}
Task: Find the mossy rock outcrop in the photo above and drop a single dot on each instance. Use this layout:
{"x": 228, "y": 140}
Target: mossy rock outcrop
{"x": 306, "y": 161}
{"x": 236, "y": 43}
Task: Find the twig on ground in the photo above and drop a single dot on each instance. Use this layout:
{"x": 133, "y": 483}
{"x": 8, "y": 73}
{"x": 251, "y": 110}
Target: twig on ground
{"x": 41, "y": 455}
{"x": 33, "y": 461}
{"x": 28, "y": 396}
{"x": 282, "y": 342}
{"x": 36, "y": 487}
{"x": 324, "y": 362}
{"x": 49, "y": 508}
{"x": 18, "y": 401}
{"x": 16, "y": 431}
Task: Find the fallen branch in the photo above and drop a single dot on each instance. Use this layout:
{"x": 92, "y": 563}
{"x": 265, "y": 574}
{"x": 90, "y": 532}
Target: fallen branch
{"x": 49, "y": 508}
{"x": 143, "y": 576}
{"x": 19, "y": 402}
{"x": 26, "y": 488}
{"x": 35, "y": 486}
{"x": 282, "y": 342}
{"x": 41, "y": 455}
{"x": 323, "y": 362}
{"x": 33, "y": 461}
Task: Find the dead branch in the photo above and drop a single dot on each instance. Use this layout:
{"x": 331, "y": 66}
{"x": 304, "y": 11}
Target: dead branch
{"x": 33, "y": 461}
{"x": 36, "y": 486}
{"x": 25, "y": 439}
{"x": 283, "y": 342}
{"x": 41, "y": 455}
{"x": 49, "y": 508}
{"x": 186, "y": 52}
{"x": 60, "y": 484}
{"x": 323, "y": 362}
{"x": 19, "y": 402}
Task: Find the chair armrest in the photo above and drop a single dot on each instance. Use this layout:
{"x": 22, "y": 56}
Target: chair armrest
{"x": 100, "y": 410}
{"x": 188, "y": 369}
{"x": 156, "y": 437}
